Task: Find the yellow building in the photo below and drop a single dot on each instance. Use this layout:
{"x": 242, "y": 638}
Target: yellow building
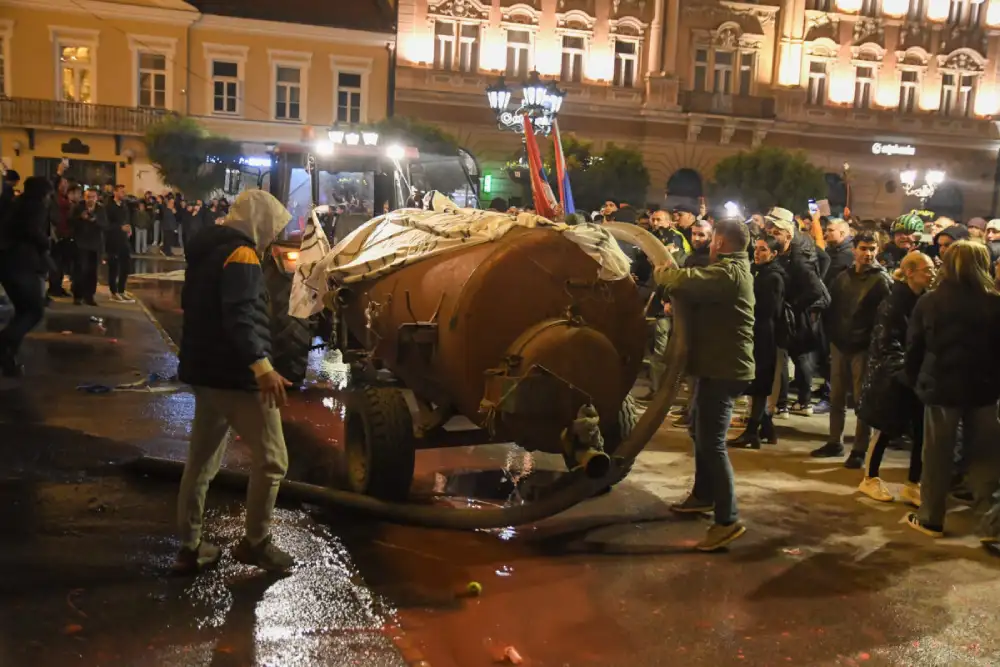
{"x": 84, "y": 79}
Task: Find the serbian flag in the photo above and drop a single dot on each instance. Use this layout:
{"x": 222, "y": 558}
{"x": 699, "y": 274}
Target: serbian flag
{"x": 545, "y": 202}
{"x": 562, "y": 175}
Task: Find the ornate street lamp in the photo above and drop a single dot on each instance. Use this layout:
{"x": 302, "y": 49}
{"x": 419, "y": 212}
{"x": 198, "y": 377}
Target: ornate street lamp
{"x": 540, "y": 103}
{"x": 932, "y": 179}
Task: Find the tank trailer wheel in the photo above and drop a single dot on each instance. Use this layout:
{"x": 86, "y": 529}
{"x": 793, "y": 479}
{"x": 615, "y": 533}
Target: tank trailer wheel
{"x": 379, "y": 444}
{"x": 614, "y": 433}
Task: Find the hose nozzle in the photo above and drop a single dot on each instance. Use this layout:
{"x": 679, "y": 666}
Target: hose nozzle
{"x": 594, "y": 462}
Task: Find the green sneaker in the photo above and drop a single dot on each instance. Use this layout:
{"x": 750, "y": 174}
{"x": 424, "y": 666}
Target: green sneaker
{"x": 719, "y": 536}
{"x": 264, "y": 555}
{"x": 192, "y": 561}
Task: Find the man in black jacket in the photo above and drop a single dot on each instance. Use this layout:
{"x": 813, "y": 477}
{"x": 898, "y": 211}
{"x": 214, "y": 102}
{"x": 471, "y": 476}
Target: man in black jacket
{"x": 88, "y": 222}
{"x": 839, "y": 248}
{"x": 855, "y": 297}
{"x": 225, "y": 356}
{"x": 805, "y": 293}
{"x": 118, "y": 245}
{"x": 840, "y": 256}
{"x": 24, "y": 260}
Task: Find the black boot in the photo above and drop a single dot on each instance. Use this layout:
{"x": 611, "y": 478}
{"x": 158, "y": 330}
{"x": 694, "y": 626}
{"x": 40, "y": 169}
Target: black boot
{"x": 9, "y": 367}
{"x": 767, "y": 431}
{"x": 749, "y": 438}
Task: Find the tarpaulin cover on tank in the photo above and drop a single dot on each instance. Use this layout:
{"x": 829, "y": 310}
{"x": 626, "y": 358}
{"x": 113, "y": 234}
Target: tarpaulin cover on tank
{"x": 402, "y": 237}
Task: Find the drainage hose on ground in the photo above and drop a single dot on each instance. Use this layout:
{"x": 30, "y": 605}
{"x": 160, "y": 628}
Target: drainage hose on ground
{"x": 567, "y": 491}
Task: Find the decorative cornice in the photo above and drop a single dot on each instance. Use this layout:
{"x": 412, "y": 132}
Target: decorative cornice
{"x": 295, "y": 31}
{"x": 462, "y": 9}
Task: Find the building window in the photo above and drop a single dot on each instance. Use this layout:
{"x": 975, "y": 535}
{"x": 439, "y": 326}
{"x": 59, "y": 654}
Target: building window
{"x": 817, "y": 82}
{"x": 349, "y": 92}
{"x": 153, "y": 80}
{"x": 626, "y": 63}
{"x": 225, "y": 86}
{"x": 909, "y": 87}
{"x": 965, "y": 13}
{"x": 864, "y": 83}
{"x": 966, "y": 95}
{"x": 518, "y": 53}
{"x": 958, "y": 93}
{"x": 746, "y": 72}
{"x": 701, "y": 69}
{"x": 722, "y": 72}
{"x": 3, "y": 67}
{"x": 870, "y": 8}
{"x": 76, "y": 73}
{"x": 456, "y": 47}
{"x": 573, "y": 50}
{"x": 288, "y": 93}
{"x": 975, "y": 13}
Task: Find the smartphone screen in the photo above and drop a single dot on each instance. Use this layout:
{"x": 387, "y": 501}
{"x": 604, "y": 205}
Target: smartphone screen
{"x": 813, "y": 207}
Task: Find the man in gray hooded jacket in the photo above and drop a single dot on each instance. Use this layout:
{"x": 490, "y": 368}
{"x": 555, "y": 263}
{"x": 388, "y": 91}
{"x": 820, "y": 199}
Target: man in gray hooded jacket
{"x": 225, "y": 356}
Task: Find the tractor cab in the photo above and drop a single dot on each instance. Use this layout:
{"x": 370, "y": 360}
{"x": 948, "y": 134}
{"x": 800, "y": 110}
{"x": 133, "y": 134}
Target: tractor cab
{"x": 353, "y": 183}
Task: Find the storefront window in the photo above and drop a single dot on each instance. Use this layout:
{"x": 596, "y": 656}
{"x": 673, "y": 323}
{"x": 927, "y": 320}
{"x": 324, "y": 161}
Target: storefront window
{"x": 88, "y": 173}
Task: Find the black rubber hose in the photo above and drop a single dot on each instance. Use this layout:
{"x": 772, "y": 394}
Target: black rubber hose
{"x": 569, "y": 490}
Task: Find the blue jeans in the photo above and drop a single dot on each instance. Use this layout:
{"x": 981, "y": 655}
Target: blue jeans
{"x": 712, "y": 408}
{"x": 141, "y": 241}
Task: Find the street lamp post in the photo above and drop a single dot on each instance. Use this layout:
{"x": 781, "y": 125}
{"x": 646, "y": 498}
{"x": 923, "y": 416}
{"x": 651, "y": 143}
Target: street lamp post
{"x": 932, "y": 179}
{"x": 540, "y": 104}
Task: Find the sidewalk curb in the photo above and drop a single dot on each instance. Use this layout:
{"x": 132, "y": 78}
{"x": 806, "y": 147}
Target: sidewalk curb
{"x": 159, "y": 327}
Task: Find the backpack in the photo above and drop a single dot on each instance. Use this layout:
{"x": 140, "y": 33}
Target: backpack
{"x": 797, "y": 332}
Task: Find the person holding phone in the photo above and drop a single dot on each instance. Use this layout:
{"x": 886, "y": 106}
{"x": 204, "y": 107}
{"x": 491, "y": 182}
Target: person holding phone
{"x": 88, "y": 222}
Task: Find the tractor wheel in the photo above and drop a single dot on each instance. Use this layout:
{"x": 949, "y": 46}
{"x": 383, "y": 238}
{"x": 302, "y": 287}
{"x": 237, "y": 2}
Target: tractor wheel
{"x": 291, "y": 337}
{"x": 614, "y": 434}
{"x": 379, "y": 444}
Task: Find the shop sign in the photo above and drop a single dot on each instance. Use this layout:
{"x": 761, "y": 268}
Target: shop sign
{"x": 878, "y": 148}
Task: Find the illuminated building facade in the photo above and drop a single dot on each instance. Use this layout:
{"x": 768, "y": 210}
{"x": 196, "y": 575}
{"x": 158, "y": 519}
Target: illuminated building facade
{"x": 881, "y": 85}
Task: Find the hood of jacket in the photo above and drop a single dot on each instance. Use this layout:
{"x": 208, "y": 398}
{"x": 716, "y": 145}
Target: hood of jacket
{"x": 258, "y": 216}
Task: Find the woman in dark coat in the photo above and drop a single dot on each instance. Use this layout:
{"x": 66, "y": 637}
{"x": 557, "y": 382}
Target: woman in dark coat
{"x": 24, "y": 261}
{"x": 769, "y": 296}
{"x": 886, "y": 403}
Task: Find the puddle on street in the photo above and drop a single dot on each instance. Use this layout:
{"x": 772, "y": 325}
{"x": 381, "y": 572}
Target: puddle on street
{"x": 111, "y": 327}
{"x": 495, "y": 487}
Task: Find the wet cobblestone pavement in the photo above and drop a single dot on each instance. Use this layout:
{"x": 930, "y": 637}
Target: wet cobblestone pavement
{"x": 824, "y": 577}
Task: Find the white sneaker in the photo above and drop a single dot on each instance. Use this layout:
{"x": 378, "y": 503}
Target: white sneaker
{"x": 911, "y": 494}
{"x": 875, "y": 488}
{"x": 116, "y": 297}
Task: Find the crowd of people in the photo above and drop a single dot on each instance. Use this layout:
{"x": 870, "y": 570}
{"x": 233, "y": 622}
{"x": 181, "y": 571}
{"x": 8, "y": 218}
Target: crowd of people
{"x": 58, "y": 229}
{"x": 897, "y": 322}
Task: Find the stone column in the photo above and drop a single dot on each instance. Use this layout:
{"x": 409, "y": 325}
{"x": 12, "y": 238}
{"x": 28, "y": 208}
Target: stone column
{"x": 790, "y": 42}
{"x": 673, "y": 19}
{"x": 654, "y": 57}
{"x": 548, "y": 45}
{"x": 602, "y": 58}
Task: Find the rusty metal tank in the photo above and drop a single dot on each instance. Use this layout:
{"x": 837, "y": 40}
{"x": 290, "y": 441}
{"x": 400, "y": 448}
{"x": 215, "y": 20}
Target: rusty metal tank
{"x": 515, "y": 334}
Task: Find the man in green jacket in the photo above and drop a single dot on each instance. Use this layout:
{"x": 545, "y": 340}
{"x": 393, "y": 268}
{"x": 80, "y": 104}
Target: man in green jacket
{"x": 718, "y": 303}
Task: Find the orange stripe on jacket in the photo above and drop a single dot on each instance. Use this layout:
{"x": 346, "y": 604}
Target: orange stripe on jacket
{"x": 242, "y": 255}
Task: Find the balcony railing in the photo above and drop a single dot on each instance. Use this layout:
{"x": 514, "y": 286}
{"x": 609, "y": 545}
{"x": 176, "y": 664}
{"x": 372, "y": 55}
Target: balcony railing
{"x": 721, "y": 104}
{"x": 25, "y": 112}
